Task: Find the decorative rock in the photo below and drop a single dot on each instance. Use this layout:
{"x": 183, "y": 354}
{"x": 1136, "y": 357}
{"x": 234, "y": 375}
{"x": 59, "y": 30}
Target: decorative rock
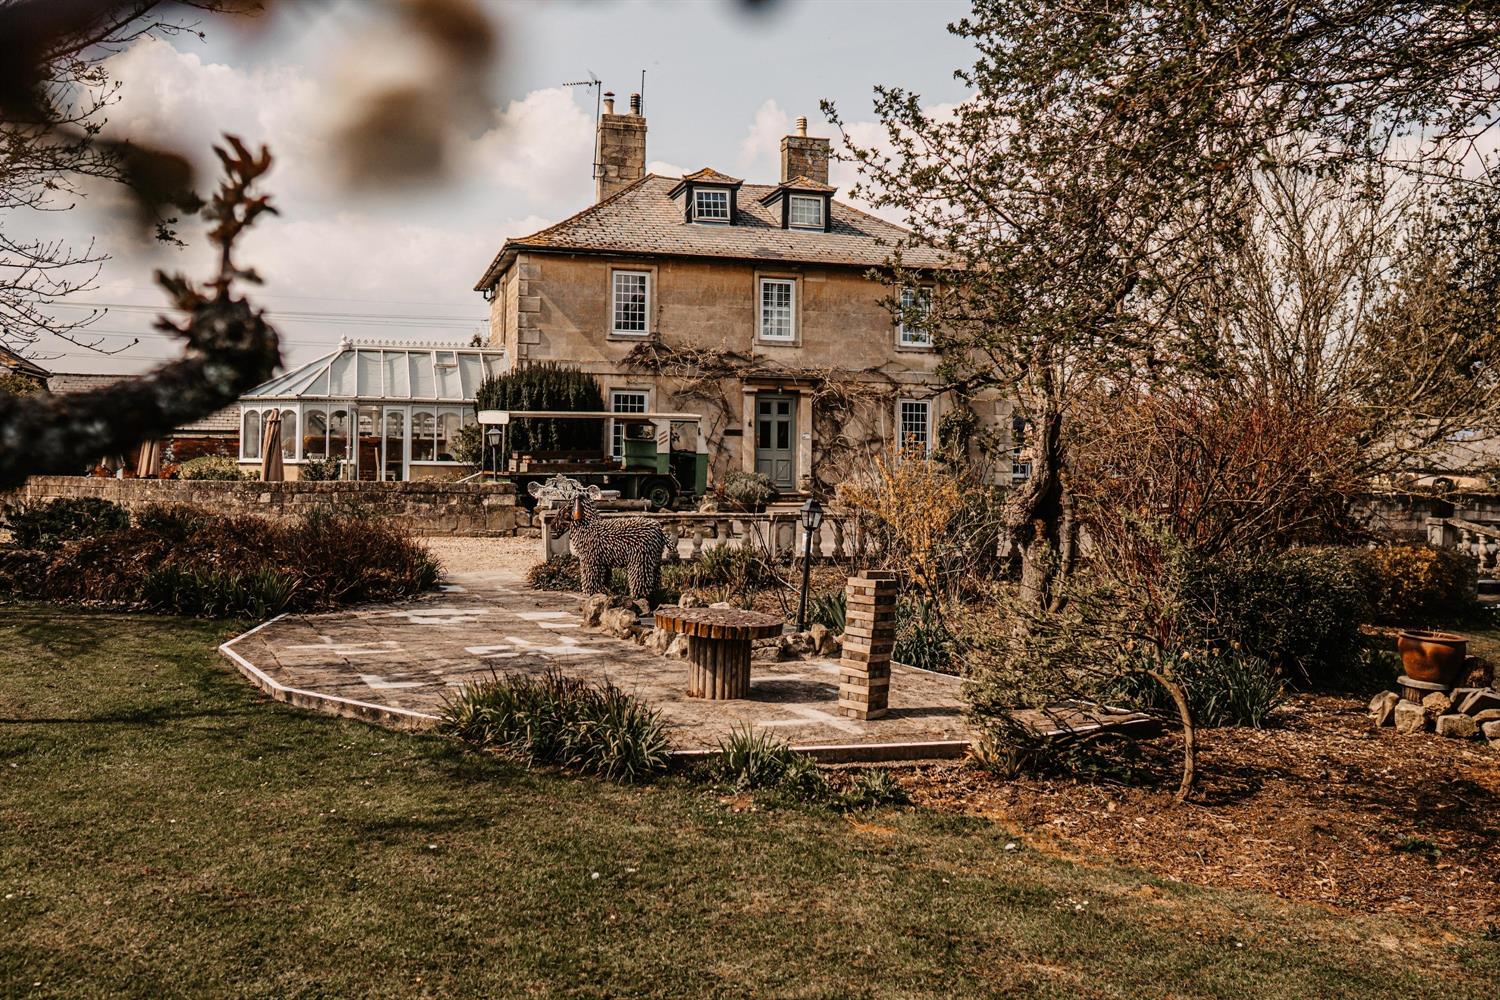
{"x": 1457, "y": 727}
{"x": 659, "y": 639}
{"x": 1488, "y": 715}
{"x": 678, "y": 647}
{"x": 1383, "y": 708}
{"x": 593, "y": 608}
{"x": 1478, "y": 701}
{"x": 823, "y": 642}
{"x": 1437, "y": 704}
{"x": 1491, "y": 730}
{"x": 691, "y": 599}
{"x": 1410, "y": 717}
{"x": 722, "y": 604}
{"x": 619, "y": 622}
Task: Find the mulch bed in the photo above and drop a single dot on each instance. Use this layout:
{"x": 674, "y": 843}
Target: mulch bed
{"x": 1320, "y": 808}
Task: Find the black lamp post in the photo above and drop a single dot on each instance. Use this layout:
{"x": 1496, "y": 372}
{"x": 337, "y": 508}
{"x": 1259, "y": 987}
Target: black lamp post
{"x": 493, "y": 437}
{"x": 812, "y": 519}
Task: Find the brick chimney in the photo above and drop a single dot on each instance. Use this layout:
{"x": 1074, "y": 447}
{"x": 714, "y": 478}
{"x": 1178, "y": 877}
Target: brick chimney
{"x": 804, "y": 157}
{"x": 620, "y": 148}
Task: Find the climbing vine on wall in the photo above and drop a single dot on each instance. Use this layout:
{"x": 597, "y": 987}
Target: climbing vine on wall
{"x": 846, "y": 403}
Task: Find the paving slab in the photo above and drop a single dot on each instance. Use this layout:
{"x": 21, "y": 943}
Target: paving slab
{"x": 398, "y": 664}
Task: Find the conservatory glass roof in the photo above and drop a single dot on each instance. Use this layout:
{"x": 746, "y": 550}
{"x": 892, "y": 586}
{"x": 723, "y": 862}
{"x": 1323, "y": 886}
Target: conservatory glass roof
{"x": 425, "y": 372}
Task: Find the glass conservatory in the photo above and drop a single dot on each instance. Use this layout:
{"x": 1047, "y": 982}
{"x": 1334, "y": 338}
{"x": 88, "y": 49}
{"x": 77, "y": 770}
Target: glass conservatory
{"x": 386, "y": 411}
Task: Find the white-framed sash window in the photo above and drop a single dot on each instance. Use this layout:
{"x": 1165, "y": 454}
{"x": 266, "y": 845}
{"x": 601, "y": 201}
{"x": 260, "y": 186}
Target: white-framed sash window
{"x": 710, "y": 205}
{"x": 630, "y": 302}
{"x": 778, "y": 309}
{"x": 805, "y": 212}
{"x": 914, "y": 426}
{"x": 623, "y": 401}
{"x": 916, "y": 303}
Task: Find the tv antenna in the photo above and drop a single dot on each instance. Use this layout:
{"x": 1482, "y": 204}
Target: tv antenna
{"x": 596, "y": 84}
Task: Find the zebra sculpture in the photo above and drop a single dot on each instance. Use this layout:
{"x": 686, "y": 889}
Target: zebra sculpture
{"x": 634, "y": 544}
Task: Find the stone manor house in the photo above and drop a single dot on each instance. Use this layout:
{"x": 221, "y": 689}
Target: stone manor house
{"x": 751, "y": 304}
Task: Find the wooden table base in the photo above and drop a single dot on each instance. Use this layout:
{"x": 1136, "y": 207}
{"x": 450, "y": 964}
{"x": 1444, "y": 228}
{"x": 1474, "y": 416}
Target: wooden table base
{"x": 718, "y": 669}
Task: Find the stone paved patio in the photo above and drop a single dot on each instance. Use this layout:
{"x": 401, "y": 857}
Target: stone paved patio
{"x": 398, "y": 663}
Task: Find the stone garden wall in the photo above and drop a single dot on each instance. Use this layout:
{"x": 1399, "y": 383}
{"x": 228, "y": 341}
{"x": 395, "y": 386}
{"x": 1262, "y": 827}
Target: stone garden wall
{"x": 423, "y": 508}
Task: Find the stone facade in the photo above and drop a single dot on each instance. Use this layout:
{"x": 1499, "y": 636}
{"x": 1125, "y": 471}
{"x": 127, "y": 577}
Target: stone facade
{"x": 840, "y": 362}
{"x": 556, "y": 307}
{"x": 422, "y": 508}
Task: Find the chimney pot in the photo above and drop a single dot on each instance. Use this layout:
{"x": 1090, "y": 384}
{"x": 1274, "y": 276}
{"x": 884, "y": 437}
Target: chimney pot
{"x": 801, "y": 124}
{"x": 635, "y": 105}
{"x": 609, "y": 102}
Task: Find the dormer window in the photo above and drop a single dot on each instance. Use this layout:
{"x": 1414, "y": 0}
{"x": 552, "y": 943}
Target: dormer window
{"x": 801, "y": 203}
{"x": 710, "y": 205}
{"x": 707, "y": 196}
{"x": 805, "y": 211}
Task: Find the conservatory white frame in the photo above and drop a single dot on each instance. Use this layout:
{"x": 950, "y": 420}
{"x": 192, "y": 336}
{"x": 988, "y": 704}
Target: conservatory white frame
{"x": 415, "y": 397}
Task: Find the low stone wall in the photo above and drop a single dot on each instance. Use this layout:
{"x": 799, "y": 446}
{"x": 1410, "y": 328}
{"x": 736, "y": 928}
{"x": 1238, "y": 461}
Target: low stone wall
{"x": 423, "y": 508}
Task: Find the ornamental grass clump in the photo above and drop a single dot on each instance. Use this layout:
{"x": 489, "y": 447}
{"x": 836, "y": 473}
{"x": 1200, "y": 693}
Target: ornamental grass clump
{"x": 549, "y": 718}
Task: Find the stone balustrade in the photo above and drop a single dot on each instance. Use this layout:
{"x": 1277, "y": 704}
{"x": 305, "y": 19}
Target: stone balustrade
{"x": 776, "y": 534}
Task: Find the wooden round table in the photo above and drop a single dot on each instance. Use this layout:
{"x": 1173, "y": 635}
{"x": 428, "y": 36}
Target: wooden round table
{"x": 718, "y": 646}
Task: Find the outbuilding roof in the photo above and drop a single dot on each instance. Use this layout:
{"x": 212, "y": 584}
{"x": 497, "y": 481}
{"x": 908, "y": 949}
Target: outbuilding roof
{"x": 225, "y": 421}
{"x": 643, "y": 220}
{"x": 391, "y": 371}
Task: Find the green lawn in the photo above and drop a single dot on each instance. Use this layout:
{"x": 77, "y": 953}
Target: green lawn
{"x": 165, "y": 831}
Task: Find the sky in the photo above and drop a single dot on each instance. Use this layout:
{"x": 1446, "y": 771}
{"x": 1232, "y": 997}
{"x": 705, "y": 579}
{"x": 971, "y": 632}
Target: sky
{"x": 723, "y": 85}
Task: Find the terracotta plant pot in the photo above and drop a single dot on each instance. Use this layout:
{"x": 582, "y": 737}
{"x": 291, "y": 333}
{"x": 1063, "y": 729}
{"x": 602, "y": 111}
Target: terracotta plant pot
{"x": 1433, "y": 657}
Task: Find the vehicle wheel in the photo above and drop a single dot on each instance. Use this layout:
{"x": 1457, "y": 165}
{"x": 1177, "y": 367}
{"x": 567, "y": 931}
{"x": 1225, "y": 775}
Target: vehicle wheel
{"x": 660, "y": 492}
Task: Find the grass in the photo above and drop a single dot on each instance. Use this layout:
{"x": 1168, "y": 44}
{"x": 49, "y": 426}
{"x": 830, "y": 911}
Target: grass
{"x": 165, "y": 831}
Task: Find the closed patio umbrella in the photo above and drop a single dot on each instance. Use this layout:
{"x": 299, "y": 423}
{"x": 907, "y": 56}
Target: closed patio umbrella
{"x": 271, "y": 469}
{"x": 148, "y": 460}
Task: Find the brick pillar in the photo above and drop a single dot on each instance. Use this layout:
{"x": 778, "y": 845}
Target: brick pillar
{"x": 869, "y": 636}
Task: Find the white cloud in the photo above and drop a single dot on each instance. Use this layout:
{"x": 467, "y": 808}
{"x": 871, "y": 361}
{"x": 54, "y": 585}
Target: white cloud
{"x": 760, "y": 150}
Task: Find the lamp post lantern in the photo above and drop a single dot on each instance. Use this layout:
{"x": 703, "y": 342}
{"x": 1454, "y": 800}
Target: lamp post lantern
{"x": 812, "y": 519}
{"x": 492, "y": 437}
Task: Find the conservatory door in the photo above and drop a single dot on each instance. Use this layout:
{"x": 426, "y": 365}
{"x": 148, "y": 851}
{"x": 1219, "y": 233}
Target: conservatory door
{"x": 395, "y": 469}
{"x": 367, "y": 454}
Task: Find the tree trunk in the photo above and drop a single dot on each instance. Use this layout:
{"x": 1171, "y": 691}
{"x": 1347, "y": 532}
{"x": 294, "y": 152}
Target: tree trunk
{"x": 1189, "y": 734}
{"x": 1036, "y": 514}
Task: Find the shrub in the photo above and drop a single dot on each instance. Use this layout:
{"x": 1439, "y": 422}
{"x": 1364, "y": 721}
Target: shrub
{"x": 321, "y": 470}
{"x": 553, "y": 719}
{"x": 736, "y": 568}
{"x": 557, "y": 573}
{"x": 827, "y": 608}
{"x": 1300, "y": 610}
{"x": 747, "y": 491}
{"x": 873, "y": 788}
{"x": 922, "y": 640}
{"x": 561, "y": 573}
{"x": 1227, "y": 688}
{"x": 258, "y": 593}
{"x": 545, "y": 386}
{"x": 48, "y": 524}
{"x": 749, "y": 760}
{"x": 1416, "y": 584}
{"x": 197, "y": 562}
{"x": 219, "y": 467}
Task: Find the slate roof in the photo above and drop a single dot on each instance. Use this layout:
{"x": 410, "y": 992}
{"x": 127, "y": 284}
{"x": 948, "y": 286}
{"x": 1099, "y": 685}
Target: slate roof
{"x": 10, "y": 359}
{"x": 643, "y": 220}
{"x": 225, "y": 421}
